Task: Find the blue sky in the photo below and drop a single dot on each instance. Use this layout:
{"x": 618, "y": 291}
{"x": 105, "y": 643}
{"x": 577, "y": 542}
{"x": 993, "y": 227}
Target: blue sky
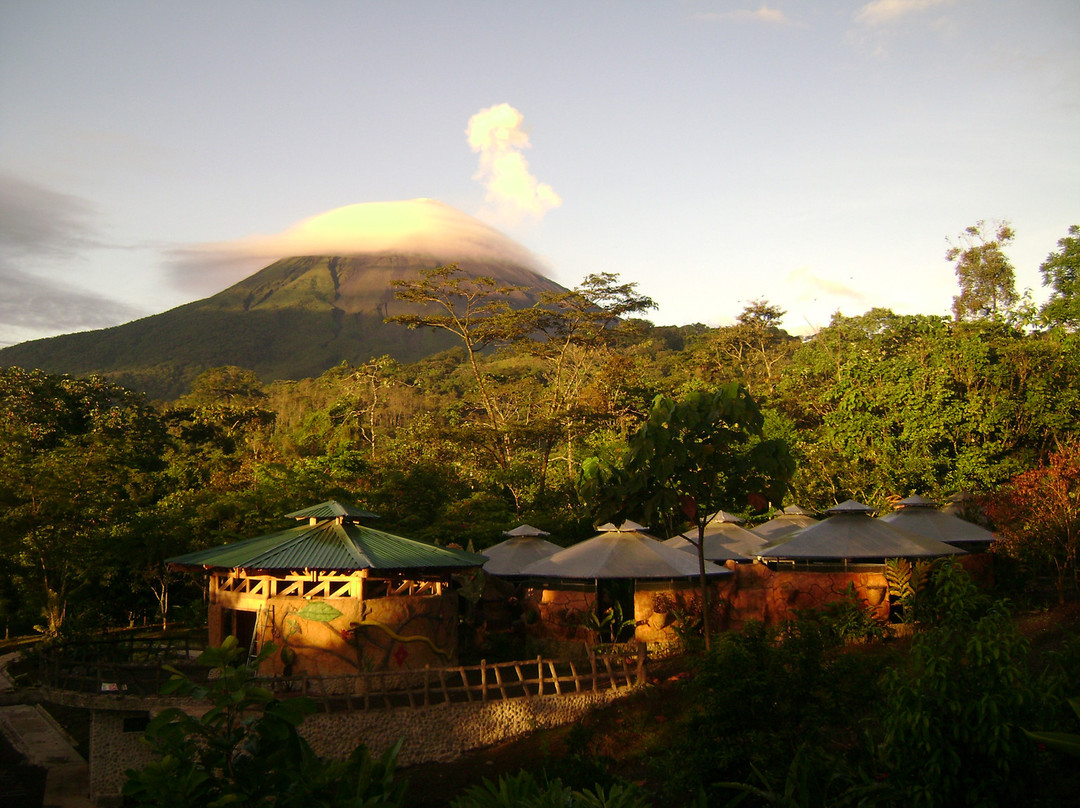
{"x": 816, "y": 154}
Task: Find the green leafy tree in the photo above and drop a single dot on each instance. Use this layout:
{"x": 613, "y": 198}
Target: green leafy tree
{"x": 229, "y": 385}
{"x": 691, "y": 458}
{"x": 986, "y": 277}
{"x": 1061, "y": 272}
{"x": 753, "y": 351}
{"x": 572, "y": 334}
{"x": 246, "y": 749}
{"x": 475, "y": 310}
{"x": 882, "y": 404}
{"x": 79, "y": 458}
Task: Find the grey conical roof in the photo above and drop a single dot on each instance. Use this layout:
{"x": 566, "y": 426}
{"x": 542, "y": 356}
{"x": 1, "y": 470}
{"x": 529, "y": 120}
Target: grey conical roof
{"x": 525, "y": 530}
{"x": 925, "y": 520}
{"x": 851, "y": 534}
{"x": 782, "y": 526}
{"x": 622, "y": 552}
{"x": 715, "y": 548}
{"x": 737, "y": 539}
{"x": 723, "y": 517}
{"x": 510, "y": 557}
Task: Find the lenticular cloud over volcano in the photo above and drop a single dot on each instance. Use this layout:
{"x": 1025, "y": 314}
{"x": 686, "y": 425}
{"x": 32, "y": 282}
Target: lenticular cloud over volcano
{"x": 417, "y": 226}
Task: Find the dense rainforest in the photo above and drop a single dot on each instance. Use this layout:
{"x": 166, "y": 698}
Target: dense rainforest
{"x": 98, "y": 485}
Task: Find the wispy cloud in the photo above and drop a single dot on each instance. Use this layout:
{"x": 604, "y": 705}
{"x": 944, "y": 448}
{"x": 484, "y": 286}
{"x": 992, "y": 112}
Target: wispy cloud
{"x": 496, "y": 134}
{"x": 763, "y": 15}
{"x": 40, "y": 227}
{"x": 37, "y": 220}
{"x": 813, "y": 287}
{"x": 33, "y": 307}
{"x": 887, "y": 12}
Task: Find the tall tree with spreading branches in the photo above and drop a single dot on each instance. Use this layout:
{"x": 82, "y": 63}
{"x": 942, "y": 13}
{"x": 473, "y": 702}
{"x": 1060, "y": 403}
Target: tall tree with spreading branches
{"x": 986, "y": 277}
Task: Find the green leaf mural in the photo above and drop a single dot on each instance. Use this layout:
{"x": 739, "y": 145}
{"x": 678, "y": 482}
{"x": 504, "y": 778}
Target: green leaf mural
{"x": 319, "y": 612}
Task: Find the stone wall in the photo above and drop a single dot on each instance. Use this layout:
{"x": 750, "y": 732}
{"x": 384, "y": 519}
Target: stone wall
{"x": 115, "y": 747}
{"x": 440, "y": 733}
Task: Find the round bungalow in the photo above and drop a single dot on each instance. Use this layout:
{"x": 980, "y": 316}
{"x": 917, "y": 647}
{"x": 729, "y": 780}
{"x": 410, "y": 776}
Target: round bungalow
{"x": 335, "y": 596}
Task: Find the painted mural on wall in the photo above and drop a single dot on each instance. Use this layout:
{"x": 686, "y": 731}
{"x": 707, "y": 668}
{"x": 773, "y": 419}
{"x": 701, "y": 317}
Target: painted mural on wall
{"x": 346, "y": 635}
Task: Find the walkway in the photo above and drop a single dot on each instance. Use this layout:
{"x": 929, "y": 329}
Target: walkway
{"x": 34, "y": 733}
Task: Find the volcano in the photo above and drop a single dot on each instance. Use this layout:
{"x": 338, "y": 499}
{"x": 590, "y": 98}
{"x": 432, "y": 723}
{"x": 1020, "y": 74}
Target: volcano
{"x": 300, "y": 315}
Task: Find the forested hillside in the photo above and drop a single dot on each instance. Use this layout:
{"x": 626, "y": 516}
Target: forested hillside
{"x": 292, "y": 319}
{"x": 97, "y": 486}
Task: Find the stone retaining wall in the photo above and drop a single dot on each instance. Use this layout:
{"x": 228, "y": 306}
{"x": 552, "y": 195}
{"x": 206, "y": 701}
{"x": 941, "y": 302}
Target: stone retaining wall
{"x": 440, "y": 733}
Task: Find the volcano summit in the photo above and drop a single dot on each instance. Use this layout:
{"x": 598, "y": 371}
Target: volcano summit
{"x": 321, "y": 303}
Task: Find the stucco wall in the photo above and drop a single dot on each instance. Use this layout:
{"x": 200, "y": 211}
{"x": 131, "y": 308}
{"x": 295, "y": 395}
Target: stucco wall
{"x": 391, "y": 633}
{"x": 765, "y": 595}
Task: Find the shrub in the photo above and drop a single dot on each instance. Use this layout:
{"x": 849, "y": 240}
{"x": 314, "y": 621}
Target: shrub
{"x": 952, "y": 714}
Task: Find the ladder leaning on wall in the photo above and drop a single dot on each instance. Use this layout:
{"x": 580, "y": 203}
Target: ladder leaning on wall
{"x": 264, "y": 617}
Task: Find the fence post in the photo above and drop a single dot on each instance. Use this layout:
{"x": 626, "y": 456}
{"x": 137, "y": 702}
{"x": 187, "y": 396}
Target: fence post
{"x": 483, "y": 680}
{"x": 592, "y": 664}
{"x": 539, "y": 676}
{"x": 642, "y": 653}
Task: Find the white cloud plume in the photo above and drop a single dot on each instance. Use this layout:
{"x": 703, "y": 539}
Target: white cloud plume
{"x": 769, "y": 16}
{"x": 885, "y": 12}
{"x": 496, "y": 134}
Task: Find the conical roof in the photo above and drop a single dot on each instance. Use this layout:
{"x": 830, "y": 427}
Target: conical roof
{"x": 786, "y": 523}
{"x": 724, "y": 516}
{"x": 920, "y": 517}
{"x": 331, "y": 509}
{"x": 715, "y": 548}
{"x": 851, "y": 534}
{"x": 333, "y": 544}
{"x": 623, "y": 552}
{"x": 736, "y": 539}
{"x": 525, "y": 530}
{"x": 510, "y": 557}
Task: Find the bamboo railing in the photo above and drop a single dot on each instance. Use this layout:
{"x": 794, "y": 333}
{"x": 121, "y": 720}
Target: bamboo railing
{"x": 613, "y": 668}
{"x": 135, "y": 667}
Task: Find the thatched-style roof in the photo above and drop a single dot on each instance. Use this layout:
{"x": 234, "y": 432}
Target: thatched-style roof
{"x": 850, "y": 533}
{"x": 623, "y": 551}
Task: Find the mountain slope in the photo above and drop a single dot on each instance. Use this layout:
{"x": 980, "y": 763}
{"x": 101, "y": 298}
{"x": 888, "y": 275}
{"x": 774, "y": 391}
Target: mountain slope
{"x": 293, "y": 319}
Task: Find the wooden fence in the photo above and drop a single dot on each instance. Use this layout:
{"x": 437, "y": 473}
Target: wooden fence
{"x": 132, "y": 665}
{"x": 135, "y": 667}
{"x": 607, "y": 668}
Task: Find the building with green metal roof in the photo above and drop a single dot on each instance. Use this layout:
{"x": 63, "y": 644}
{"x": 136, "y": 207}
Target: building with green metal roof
{"x": 334, "y": 595}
